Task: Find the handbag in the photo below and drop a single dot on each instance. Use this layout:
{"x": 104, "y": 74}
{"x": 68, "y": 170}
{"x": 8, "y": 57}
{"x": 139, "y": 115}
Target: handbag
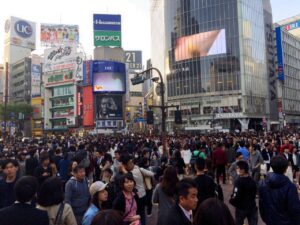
{"x": 59, "y": 214}
{"x": 147, "y": 181}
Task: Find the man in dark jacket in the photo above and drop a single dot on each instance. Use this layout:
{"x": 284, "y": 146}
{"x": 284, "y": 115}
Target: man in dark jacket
{"x": 182, "y": 212}
{"x": 43, "y": 171}
{"x": 31, "y": 164}
{"x": 7, "y": 196}
{"x": 205, "y": 184}
{"x": 243, "y": 196}
{"x": 219, "y": 161}
{"x": 22, "y": 212}
{"x": 278, "y": 197}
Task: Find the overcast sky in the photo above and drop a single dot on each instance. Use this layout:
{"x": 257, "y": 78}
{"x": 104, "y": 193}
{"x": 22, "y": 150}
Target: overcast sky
{"x": 135, "y": 18}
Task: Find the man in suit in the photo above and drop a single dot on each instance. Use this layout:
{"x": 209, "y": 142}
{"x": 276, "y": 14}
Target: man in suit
{"x": 182, "y": 212}
{"x": 22, "y": 212}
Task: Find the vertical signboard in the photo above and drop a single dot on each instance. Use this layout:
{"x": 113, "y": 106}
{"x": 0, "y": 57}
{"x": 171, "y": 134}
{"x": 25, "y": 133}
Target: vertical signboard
{"x": 280, "y": 56}
{"x": 87, "y": 73}
{"x": 88, "y": 106}
{"x": 107, "y": 30}
{"x": 35, "y": 76}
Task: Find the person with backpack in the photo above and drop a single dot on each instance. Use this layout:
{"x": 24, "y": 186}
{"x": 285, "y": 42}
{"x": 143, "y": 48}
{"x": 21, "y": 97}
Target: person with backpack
{"x": 77, "y": 193}
{"x": 195, "y": 155}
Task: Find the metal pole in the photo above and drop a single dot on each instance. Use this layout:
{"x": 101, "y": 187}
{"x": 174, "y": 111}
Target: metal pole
{"x": 5, "y": 99}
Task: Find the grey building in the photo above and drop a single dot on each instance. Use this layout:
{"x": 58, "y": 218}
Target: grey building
{"x": 288, "y": 64}
{"x": 213, "y": 56}
{"x": 20, "y": 81}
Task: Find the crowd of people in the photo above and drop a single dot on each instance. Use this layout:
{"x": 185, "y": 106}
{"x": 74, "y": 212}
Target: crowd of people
{"x": 116, "y": 180}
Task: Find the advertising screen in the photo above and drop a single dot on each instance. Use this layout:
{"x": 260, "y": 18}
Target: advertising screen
{"x": 201, "y": 45}
{"x": 109, "y": 107}
{"x": 109, "y": 77}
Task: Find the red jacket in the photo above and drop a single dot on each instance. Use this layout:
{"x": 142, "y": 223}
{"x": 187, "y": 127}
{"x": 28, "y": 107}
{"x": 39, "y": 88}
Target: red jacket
{"x": 290, "y": 146}
{"x": 219, "y": 157}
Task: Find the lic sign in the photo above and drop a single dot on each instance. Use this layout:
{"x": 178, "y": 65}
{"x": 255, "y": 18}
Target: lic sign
{"x": 23, "y": 29}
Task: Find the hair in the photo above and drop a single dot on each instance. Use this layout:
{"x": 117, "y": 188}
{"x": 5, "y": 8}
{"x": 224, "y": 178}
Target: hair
{"x": 44, "y": 157}
{"x": 169, "y": 181}
{"x": 238, "y": 154}
{"x": 8, "y": 161}
{"x": 177, "y": 154}
{"x": 243, "y": 166}
{"x": 279, "y": 164}
{"x": 26, "y": 188}
{"x": 125, "y": 159}
{"x": 200, "y": 164}
{"x": 51, "y": 192}
{"x": 242, "y": 143}
{"x": 77, "y": 168}
{"x": 127, "y": 176}
{"x": 207, "y": 211}
{"x": 183, "y": 186}
{"x": 108, "y": 217}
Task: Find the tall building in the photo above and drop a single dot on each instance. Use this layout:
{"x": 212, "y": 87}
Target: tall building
{"x": 292, "y": 25}
{"x": 2, "y": 79}
{"x": 213, "y": 56}
{"x": 20, "y": 81}
{"x": 288, "y": 66}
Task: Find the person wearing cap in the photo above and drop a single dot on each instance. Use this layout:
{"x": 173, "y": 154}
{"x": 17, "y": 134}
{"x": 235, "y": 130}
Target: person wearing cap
{"x": 99, "y": 196}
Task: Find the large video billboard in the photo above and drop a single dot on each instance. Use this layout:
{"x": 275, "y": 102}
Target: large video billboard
{"x": 107, "y": 30}
{"x": 20, "y": 32}
{"x": 201, "y": 45}
{"x": 109, "y": 77}
{"x": 57, "y": 34}
{"x": 109, "y": 107}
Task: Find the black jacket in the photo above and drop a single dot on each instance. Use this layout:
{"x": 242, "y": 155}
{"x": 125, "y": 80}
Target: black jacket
{"x": 30, "y": 165}
{"x": 119, "y": 203}
{"x": 244, "y": 193}
{"x": 279, "y": 201}
{"x": 23, "y": 214}
{"x": 206, "y": 187}
{"x": 176, "y": 216}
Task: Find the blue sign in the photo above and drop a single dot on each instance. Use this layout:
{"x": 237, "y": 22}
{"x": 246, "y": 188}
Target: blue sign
{"x": 108, "y": 66}
{"x": 292, "y": 26}
{"x": 104, "y": 22}
{"x": 280, "y": 55}
{"x": 23, "y": 29}
{"x": 36, "y": 68}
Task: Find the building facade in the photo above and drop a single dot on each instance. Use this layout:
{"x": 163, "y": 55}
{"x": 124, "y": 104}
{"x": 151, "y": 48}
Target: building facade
{"x": 288, "y": 64}
{"x": 214, "y": 55}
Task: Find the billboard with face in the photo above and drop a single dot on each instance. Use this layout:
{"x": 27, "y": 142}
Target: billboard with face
{"x": 201, "y": 45}
{"x": 109, "y": 107}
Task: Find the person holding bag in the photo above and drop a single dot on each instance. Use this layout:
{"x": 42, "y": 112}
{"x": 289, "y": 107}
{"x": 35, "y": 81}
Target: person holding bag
{"x": 50, "y": 199}
{"x": 127, "y": 201}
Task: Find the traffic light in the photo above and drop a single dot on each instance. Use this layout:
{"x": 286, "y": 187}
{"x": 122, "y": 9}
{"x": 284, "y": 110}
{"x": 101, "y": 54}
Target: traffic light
{"x": 137, "y": 80}
{"x": 150, "y": 117}
{"x": 178, "y": 117}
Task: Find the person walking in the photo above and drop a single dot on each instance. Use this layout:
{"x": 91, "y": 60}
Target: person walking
{"x": 99, "y": 197}
{"x": 243, "y": 196}
{"x": 7, "y": 196}
{"x": 22, "y": 212}
{"x": 164, "y": 194}
{"x": 186, "y": 201}
{"x": 219, "y": 160}
{"x": 256, "y": 160}
{"x": 77, "y": 193}
{"x": 51, "y": 199}
{"x": 278, "y": 197}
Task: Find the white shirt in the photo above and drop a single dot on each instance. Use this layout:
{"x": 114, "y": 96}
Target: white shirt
{"x": 138, "y": 175}
{"x": 188, "y": 214}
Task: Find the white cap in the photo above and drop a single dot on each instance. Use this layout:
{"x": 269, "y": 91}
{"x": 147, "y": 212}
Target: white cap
{"x": 97, "y": 186}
